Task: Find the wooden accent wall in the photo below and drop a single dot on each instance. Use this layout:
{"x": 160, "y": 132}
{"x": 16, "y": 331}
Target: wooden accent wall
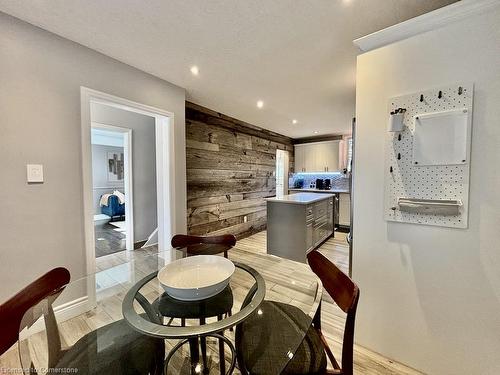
{"x": 230, "y": 170}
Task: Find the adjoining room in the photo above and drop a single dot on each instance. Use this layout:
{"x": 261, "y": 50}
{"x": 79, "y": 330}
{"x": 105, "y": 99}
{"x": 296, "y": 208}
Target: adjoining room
{"x": 108, "y": 175}
{"x": 124, "y": 183}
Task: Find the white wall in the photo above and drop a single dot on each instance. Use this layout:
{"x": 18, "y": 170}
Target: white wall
{"x": 41, "y": 226}
{"x": 430, "y": 296}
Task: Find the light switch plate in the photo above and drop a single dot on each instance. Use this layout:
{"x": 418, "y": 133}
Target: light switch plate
{"x": 34, "y": 172}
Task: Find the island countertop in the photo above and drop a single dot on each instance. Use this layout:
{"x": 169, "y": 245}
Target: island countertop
{"x": 301, "y": 198}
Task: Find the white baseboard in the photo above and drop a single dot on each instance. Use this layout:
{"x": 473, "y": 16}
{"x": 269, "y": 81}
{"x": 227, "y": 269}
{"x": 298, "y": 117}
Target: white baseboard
{"x": 62, "y": 312}
{"x": 73, "y": 308}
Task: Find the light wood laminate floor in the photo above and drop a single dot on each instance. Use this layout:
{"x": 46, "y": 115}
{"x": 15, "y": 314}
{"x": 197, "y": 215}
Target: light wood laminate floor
{"x": 336, "y": 249}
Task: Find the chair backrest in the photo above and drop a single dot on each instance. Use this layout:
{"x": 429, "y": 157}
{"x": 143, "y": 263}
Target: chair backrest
{"x": 345, "y": 293}
{"x": 204, "y": 245}
{"x": 13, "y": 310}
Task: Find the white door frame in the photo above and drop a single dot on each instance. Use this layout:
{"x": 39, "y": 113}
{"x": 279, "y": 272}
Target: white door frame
{"x": 165, "y": 168}
{"x": 282, "y": 180}
{"x": 128, "y": 179}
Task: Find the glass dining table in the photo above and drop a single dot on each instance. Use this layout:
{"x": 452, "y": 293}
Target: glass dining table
{"x": 120, "y": 320}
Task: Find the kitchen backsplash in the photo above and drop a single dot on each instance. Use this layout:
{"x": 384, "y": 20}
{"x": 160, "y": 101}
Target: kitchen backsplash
{"x": 339, "y": 181}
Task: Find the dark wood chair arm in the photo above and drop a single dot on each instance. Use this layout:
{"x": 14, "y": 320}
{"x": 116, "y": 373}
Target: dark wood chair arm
{"x": 12, "y": 311}
{"x": 204, "y": 245}
{"x": 183, "y": 240}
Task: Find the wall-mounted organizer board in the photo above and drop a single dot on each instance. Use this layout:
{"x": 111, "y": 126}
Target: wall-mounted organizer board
{"x": 428, "y": 162}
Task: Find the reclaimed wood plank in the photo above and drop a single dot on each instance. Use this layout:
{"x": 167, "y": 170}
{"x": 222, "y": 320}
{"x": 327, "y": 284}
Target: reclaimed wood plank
{"x": 223, "y": 211}
{"x": 242, "y": 230}
{"x": 190, "y": 143}
{"x": 260, "y": 194}
{"x": 215, "y": 188}
{"x": 201, "y": 132}
{"x": 198, "y": 174}
{"x": 230, "y": 224}
{"x": 207, "y": 201}
{"x": 213, "y": 226}
{"x": 228, "y": 158}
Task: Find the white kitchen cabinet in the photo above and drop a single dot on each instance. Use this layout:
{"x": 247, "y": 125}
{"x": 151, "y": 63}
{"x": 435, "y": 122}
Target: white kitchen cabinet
{"x": 310, "y": 158}
{"x": 317, "y": 157}
{"x": 344, "y": 209}
{"x": 330, "y": 215}
{"x": 309, "y": 236}
{"x": 319, "y": 154}
{"x": 299, "y": 158}
{"x": 330, "y": 159}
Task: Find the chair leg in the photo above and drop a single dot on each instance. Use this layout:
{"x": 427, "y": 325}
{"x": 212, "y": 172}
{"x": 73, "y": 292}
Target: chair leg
{"x": 222, "y": 356}
{"x": 183, "y": 322}
{"x": 203, "y": 344}
{"x": 317, "y": 318}
{"x": 229, "y": 314}
{"x": 195, "y": 356}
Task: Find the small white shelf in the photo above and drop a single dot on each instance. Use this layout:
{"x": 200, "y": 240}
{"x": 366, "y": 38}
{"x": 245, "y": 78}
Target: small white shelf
{"x": 445, "y": 207}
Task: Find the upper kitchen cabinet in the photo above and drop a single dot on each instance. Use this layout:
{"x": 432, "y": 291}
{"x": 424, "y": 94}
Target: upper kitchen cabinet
{"x": 299, "y": 158}
{"x": 327, "y": 156}
{"x": 317, "y": 157}
{"x": 311, "y": 158}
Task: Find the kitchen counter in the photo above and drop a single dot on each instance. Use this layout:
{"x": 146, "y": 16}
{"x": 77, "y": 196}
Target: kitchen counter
{"x": 301, "y": 198}
{"x": 322, "y": 191}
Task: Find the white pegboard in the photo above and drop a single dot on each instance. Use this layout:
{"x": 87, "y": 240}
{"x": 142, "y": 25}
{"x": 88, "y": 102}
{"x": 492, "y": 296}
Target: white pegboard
{"x": 403, "y": 179}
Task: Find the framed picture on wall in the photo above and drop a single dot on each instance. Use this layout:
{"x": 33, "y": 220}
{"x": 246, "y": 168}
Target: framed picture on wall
{"x": 115, "y": 166}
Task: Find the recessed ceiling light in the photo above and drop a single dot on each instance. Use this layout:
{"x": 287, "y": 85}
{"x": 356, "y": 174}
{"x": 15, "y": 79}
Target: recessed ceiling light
{"x": 260, "y": 104}
{"x": 194, "y": 70}
{"x": 316, "y": 132}
{"x": 294, "y": 121}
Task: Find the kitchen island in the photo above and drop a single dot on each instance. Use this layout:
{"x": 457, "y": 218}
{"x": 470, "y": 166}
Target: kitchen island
{"x": 298, "y": 223}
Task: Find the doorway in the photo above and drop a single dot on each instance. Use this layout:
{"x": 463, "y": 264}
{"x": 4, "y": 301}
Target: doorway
{"x": 120, "y": 169}
{"x": 282, "y": 162}
{"x": 112, "y": 188}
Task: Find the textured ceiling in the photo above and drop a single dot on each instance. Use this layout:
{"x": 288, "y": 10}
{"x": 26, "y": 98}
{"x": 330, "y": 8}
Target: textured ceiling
{"x": 295, "y": 55}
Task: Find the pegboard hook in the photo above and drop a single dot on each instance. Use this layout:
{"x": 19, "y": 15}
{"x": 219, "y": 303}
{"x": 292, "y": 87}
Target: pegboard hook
{"x": 440, "y": 94}
{"x": 421, "y": 97}
{"x": 460, "y": 90}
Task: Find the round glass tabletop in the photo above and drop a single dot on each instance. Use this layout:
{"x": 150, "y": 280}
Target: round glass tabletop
{"x": 163, "y": 309}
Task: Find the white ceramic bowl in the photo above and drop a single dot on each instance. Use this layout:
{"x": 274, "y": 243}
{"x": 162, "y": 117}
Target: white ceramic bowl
{"x": 196, "y": 277}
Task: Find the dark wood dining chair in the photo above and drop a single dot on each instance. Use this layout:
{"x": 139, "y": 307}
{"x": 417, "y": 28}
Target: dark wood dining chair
{"x": 259, "y": 353}
{"x": 204, "y": 245}
{"x": 216, "y": 306}
{"x": 113, "y": 348}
